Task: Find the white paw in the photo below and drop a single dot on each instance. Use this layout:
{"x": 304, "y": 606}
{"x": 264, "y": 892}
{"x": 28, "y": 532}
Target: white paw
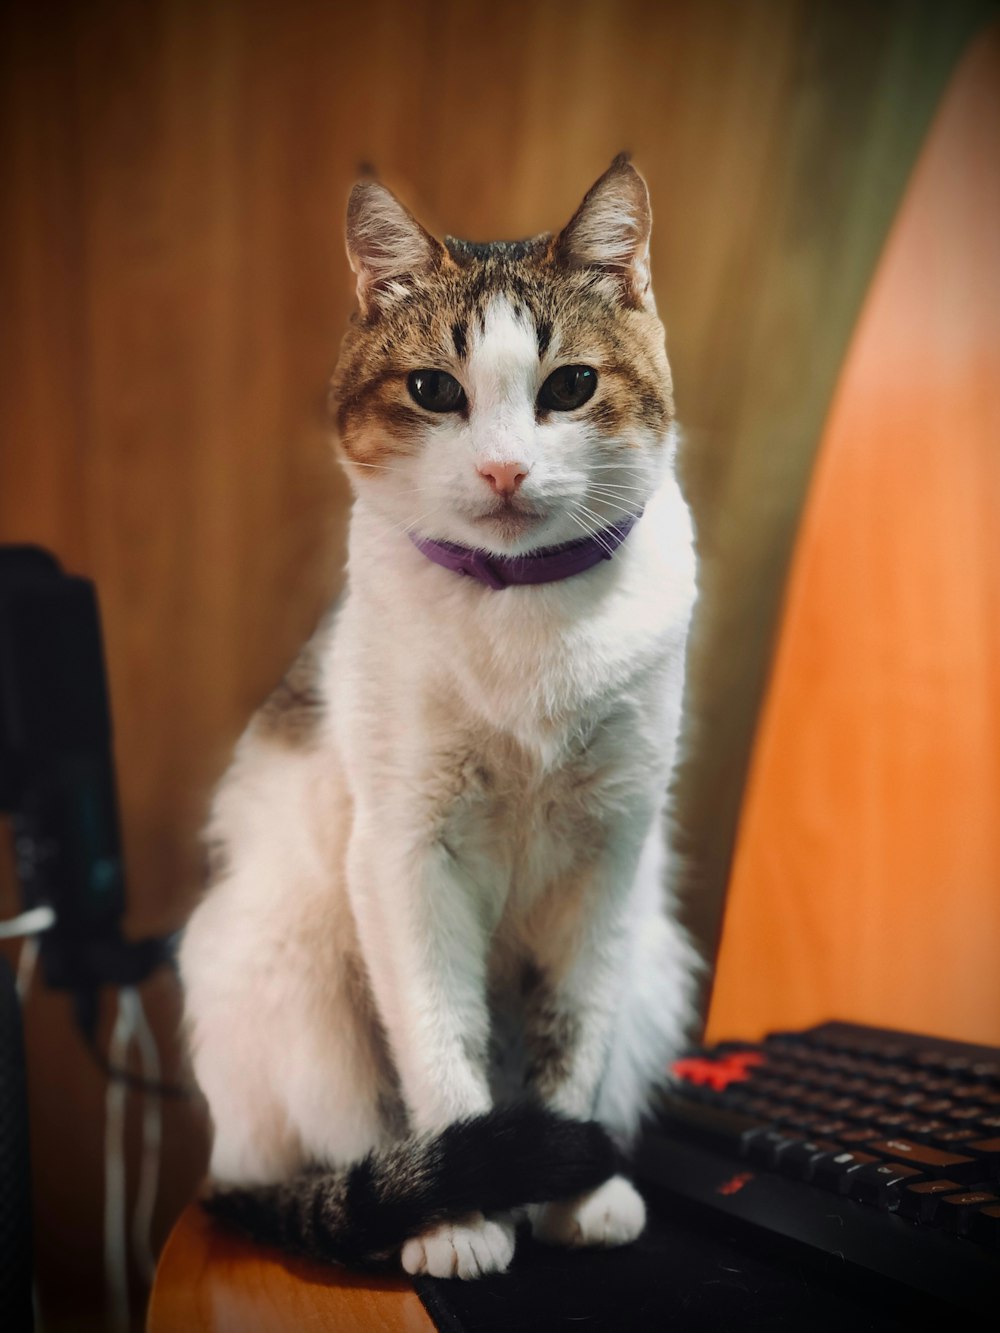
{"x": 614, "y": 1214}
{"x": 471, "y": 1248}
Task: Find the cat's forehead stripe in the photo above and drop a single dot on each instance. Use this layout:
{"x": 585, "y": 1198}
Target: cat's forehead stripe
{"x": 505, "y": 350}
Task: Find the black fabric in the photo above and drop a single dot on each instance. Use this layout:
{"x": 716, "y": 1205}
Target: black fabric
{"x": 683, "y": 1274}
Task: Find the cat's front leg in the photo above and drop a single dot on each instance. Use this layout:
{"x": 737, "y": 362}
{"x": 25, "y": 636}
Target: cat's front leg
{"x": 571, "y": 996}
{"x": 424, "y": 937}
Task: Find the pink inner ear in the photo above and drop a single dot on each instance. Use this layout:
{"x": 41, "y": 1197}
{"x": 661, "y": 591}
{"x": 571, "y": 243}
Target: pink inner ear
{"x": 610, "y": 230}
{"x": 385, "y": 242}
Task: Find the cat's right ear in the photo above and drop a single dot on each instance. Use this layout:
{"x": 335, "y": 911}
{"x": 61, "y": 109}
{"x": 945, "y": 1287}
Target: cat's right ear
{"x": 386, "y": 245}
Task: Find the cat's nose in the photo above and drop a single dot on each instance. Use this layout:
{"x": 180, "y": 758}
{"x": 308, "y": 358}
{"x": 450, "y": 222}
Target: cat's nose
{"x": 504, "y": 478}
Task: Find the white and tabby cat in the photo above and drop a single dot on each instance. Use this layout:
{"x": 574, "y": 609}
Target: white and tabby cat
{"x": 440, "y": 941}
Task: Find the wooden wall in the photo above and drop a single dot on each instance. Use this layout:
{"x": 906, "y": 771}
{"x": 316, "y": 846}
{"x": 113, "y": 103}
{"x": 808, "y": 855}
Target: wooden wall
{"x": 172, "y": 290}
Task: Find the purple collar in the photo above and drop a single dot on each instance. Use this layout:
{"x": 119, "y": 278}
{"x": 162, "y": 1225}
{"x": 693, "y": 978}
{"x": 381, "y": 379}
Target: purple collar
{"x": 548, "y": 565}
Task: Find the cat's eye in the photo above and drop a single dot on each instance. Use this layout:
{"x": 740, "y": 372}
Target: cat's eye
{"x": 436, "y": 390}
{"x": 568, "y": 387}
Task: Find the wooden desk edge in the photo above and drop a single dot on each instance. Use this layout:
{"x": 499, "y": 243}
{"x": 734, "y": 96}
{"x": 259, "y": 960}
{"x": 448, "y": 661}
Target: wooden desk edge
{"x": 211, "y": 1281}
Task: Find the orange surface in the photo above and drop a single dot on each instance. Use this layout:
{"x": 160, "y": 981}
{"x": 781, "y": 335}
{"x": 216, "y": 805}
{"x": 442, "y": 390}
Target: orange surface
{"x": 866, "y": 882}
{"x": 210, "y": 1281}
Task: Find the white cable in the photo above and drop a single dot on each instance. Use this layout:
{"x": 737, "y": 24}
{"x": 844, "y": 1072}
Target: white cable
{"x": 149, "y": 1171}
{"x": 115, "y": 1249}
{"x": 28, "y": 923}
{"x": 26, "y": 961}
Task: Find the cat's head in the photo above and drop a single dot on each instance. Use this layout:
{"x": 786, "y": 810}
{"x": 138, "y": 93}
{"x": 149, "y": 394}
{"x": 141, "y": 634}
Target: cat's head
{"x": 505, "y": 396}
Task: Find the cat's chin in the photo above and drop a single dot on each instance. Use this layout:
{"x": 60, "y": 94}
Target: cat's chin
{"x": 508, "y": 525}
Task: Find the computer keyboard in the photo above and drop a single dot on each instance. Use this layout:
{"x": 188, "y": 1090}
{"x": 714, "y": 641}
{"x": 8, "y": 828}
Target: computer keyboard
{"x": 880, "y": 1148}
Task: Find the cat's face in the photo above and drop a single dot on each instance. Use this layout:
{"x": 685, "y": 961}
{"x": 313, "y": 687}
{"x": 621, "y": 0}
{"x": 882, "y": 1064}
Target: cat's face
{"x": 507, "y": 396}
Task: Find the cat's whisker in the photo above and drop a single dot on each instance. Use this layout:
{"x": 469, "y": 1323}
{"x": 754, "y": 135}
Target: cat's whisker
{"x": 617, "y": 486}
{"x": 592, "y": 532}
{"x": 407, "y": 529}
{"x": 619, "y": 467}
{"x": 620, "y": 509}
{"x": 610, "y": 496}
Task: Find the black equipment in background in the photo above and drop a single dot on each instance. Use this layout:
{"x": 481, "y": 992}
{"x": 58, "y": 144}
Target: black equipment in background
{"x": 15, "y": 1173}
{"x": 57, "y": 779}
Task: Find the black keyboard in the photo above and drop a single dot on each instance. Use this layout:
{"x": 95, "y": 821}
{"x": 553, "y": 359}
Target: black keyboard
{"x": 880, "y": 1148}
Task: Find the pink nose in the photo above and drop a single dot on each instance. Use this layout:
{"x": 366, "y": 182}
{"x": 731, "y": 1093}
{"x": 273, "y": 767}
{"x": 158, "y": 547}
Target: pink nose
{"x": 504, "y": 478}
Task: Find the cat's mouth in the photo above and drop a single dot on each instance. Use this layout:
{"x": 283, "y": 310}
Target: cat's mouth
{"x": 509, "y": 519}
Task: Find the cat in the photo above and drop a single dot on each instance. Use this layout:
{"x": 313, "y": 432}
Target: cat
{"x": 438, "y": 973}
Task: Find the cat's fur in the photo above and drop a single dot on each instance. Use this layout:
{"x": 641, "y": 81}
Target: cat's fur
{"x": 442, "y": 865}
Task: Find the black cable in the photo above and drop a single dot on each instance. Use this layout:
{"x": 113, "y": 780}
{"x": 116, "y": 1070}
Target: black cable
{"x": 182, "y": 1091}
{"x": 85, "y": 1004}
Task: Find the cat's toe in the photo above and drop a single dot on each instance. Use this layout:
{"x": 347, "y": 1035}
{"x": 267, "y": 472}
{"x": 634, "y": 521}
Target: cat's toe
{"x": 613, "y": 1214}
{"x": 471, "y": 1248}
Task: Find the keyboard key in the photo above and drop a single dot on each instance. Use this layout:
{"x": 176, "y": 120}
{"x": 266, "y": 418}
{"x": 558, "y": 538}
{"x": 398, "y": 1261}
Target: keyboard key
{"x": 948, "y": 1138}
{"x": 891, "y": 1120}
{"x": 785, "y": 1115}
{"x": 932, "y": 1087}
{"x": 809, "y": 1120}
{"x": 837, "y": 1106}
{"x": 784, "y": 1092}
{"x": 878, "y": 1184}
{"x": 867, "y": 1113}
{"x": 985, "y": 1226}
{"x": 963, "y": 1115}
{"x": 907, "y": 1100}
{"x": 830, "y": 1129}
{"x": 897, "y": 1074}
{"x": 767, "y": 1087}
{"x": 799, "y": 1159}
{"x": 756, "y": 1107}
{"x": 957, "y": 1210}
{"x": 725, "y": 1129}
{"x": 958, "y": 1065}
{"x": 891, "y": 1051}
{"x": 834, "y": 1172}
{"x": 919, "y": 1202}
{"x": 850, "y": 1087}
{"x": 879, "y": 1092}
{"x": 816, "y": 1098}
{"x": 970, "y": 1092}
{"x": 936, "y": 1106}
{"x": 933, "y": 1161}
{"x": 925, "y": 1130}
{"x": 929, "y": 1058}
{"x": 768, "y": 1146}
{"x": 860, "y": 1134}
{"x": 991, "y": 1122}
{"x": 986, "y": 1150}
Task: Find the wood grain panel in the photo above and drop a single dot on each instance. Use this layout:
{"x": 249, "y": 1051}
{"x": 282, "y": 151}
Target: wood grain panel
{"x": 865, "y": 885}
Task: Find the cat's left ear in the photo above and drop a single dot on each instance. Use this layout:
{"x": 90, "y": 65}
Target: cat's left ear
{"x": 610, "y": 230}
{"x": 386, "y": 245}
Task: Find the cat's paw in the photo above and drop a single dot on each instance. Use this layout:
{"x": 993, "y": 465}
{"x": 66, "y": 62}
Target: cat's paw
{"x": 473, "y": 1247}
{"x": 613, "y": 1214}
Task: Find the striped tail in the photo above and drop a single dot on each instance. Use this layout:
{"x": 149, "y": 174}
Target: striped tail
{"x": 362, "y": 1214}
